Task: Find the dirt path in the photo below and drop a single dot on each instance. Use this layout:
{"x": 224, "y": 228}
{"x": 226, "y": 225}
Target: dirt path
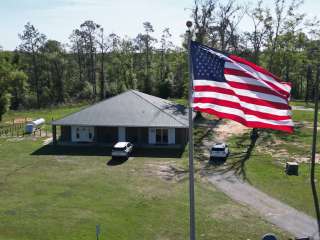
{"x": 301, "y": 108}
{"x": 274, "y": 211}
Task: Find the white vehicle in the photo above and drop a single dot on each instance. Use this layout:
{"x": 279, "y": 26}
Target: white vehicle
{"x": 122, "y": 149}
{"x": 219, "y": 151}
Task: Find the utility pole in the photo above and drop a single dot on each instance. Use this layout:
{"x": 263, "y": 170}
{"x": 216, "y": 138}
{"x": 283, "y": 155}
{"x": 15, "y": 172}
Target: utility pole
{"x": 191, "y": 168}
{"x": 314, "y": 146}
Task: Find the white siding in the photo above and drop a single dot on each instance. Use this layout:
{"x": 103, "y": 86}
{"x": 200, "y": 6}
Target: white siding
{"x": 152, "y": 136}
{"x": 121, "y": 134}
{"x": 172, "y": 136}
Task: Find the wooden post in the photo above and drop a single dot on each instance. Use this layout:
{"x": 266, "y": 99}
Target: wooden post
{"x": 54, "y": 134}
{"x": 313, "y": 156}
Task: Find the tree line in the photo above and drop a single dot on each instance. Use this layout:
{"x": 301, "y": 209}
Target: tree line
{"x": 95, "y": 65}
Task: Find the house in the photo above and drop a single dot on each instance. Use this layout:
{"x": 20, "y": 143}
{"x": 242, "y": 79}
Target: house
{"x": 132, "y": 116}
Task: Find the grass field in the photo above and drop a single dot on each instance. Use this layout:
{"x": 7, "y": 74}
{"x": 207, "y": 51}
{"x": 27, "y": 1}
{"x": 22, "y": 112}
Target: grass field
{"x": 302, "y": 103}
{"x": 47, "y": 113}
{"x": 58, "y": 196}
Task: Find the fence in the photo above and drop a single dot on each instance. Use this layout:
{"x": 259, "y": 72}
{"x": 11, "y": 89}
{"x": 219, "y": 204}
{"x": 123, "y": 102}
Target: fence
{"x": 17, "y": 129}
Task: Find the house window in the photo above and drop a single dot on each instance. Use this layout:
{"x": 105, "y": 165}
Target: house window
{"x": 162, "y": 136}
{"x": 78, "y": 135}
{"x": 90, "y": 135}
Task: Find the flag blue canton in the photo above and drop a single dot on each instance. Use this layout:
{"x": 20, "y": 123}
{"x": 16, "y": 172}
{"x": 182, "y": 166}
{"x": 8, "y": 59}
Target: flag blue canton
{"x": 206, "y": 65}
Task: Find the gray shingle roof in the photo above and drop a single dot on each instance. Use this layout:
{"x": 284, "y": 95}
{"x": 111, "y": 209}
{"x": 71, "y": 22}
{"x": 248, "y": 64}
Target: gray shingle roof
{"x": 130, "y": 109}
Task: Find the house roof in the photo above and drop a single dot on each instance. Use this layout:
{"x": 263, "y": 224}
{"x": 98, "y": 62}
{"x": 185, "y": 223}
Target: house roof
{"x": 130, "y": 109}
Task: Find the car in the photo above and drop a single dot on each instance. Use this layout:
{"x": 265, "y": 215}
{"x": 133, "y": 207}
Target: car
{"x": 122, "y": 149}
{"x": 219, "y": 151}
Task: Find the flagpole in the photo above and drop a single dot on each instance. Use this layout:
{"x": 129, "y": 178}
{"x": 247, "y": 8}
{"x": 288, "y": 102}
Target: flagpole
{"x": 314, "y": 149}
{"x": 191, "y": 169}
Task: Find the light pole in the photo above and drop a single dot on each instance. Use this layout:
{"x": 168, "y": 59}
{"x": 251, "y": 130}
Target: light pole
{"x": 191, "y": 168}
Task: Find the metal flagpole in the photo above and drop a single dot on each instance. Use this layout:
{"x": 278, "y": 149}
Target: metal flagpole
{"x": 191, "y": 169}
{"x": 314, "y": 146}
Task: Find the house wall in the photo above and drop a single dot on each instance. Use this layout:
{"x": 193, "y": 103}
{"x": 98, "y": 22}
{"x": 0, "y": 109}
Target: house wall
{"x": 181, "y": 136}
{"x": 106, "y": 134}
{"x": 136, "y": 135}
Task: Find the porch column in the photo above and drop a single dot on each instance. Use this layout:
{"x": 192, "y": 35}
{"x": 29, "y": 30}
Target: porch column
{"x": 54, "y": 134}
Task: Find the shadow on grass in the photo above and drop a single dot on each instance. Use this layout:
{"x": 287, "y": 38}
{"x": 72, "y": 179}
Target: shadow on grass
{"x": 203, "y": 131}
{"x": 115, "y": 161}
{"x": 106, "y": 151}
{"x": 237, "y": 164}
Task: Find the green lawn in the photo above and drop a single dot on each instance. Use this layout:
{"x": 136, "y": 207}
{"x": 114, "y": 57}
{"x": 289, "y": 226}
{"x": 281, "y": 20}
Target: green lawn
{"x": 47, "y": 113}
{"x": 55, "y": 196}
{"x": 302, "y": 103}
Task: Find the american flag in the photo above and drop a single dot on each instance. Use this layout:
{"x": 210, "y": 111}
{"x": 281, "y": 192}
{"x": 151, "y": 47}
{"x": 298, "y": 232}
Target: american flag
{"x": 231, "y": 87}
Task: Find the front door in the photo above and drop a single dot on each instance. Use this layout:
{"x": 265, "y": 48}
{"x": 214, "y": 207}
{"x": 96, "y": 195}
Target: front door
{"x": 82, "y": 134}
{"x": 161, "y": 136}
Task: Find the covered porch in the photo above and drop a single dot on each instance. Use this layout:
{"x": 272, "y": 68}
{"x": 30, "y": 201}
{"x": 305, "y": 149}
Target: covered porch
{"x": 143, "y": 137}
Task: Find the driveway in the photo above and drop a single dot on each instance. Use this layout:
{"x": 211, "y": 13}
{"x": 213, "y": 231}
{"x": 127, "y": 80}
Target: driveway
{"x": 274, "y": 211}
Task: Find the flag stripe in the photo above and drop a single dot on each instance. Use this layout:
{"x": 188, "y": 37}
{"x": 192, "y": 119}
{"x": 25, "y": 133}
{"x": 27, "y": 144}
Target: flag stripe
{"x": 221, "y": 98}
{"x": 205, "y": 85}
{"x": 253, "y": 124}
{"x": 248, "y": 118}
{"x": 254, "y": 67}
{"x": 213, "y": 103}
{"x": 233, "y": 69}
{"x": 204, "y": 91}
{"x": 278, "y": 86}
{"x": 255, "y": 89}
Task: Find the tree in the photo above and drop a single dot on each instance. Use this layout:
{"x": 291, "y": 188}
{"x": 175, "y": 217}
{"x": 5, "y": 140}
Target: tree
{"x": 262, "y": 23}
{"x": 148, "y": 45}
{"x": 103, "y": 45}
{"x": 88, "y": 34}
{"x": 166, "y": 44}
{"x": 228, "y": 16}
{"x": 277, "y": 30}
{"x": 32, "y": 41}
{"x": 202, "y": 14}
{"x": 144, "y": 44}
{"x": 17, "y": 88}
{"x": 77, "y": 46}
{"x": 5, "y": 69}
{"x": 54, "y": 62}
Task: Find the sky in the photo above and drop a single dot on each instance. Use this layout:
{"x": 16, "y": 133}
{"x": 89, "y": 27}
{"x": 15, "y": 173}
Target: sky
{"x": 57, "y": 18}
